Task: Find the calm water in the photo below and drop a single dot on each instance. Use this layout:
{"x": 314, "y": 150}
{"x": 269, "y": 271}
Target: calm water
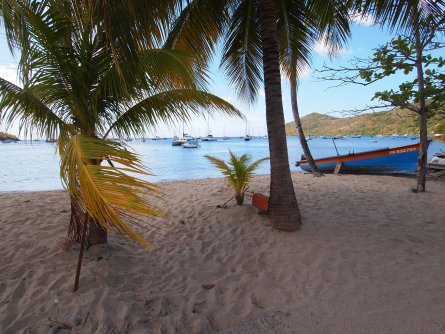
{"x": 26, "y": 166}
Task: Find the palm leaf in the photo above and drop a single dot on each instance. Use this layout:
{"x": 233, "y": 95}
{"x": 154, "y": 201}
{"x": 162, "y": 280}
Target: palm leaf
{"x": 242, "y": 58}
{"x": 17, "y": 104}
{"x": 400, "y": 15}
{"x": 238, "y": 170}
{"x": 111, "y": 195}
{"x": 169, "y": 107}
{"x": 199, "y": 36}
{"x": 166, "y": 69}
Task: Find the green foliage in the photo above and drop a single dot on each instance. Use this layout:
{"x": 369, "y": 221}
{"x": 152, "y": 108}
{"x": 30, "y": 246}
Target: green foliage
{"x": 400, "y": 54}
{"x": 401, "y": 121}
{"x": 238, "y": 171}
{"x": 81, "y": 85}
{"x": 7, "y": 136}
{"x": 440, "y": 129}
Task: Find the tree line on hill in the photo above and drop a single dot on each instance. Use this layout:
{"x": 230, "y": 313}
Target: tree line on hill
{"x": 396, "y": 121}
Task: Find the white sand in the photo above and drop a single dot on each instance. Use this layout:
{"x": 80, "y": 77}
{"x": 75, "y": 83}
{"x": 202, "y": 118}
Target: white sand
{"x": 370, "y": 258}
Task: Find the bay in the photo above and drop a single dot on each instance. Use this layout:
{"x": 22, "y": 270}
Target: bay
{"x": 34, "y": 166}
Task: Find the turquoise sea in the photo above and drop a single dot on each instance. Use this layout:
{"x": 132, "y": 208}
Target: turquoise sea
{"x": 31, "y": 166}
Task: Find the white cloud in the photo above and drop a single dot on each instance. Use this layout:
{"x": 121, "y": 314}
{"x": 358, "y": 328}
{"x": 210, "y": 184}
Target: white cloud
{"x": 324, "y": 48}
{"x": 8, "y": 72}
{"x": 364, "y": 20}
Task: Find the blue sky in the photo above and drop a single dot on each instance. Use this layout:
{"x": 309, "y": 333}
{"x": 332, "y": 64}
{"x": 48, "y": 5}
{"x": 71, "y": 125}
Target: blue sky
{"x": 314, "y": 95}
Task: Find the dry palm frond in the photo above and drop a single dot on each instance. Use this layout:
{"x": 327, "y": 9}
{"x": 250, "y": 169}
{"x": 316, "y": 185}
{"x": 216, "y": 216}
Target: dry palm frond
{"x": 108, "y": 193}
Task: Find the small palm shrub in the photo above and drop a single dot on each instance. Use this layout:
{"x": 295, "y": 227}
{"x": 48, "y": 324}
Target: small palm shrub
{"x": 238, "y": 171}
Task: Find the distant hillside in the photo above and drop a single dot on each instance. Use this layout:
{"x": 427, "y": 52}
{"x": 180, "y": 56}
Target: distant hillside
{"x": 6, "y": 136}
{"x": 400, "y": 121}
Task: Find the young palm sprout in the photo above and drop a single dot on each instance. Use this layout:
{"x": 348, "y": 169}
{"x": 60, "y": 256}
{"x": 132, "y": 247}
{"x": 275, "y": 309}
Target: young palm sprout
{"x": 238, "y": 171}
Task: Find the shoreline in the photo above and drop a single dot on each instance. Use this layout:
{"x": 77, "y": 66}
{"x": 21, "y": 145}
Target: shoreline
{"x": 432, "y": 176}
{"x": 368, "y": 259}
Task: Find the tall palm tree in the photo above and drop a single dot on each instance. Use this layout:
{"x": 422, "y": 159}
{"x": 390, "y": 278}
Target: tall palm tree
{"x": 254, "y": 34}
{"x": 328, "y": 23}
{"x": 241, "y": 23}
{"x": 81, "y": 85}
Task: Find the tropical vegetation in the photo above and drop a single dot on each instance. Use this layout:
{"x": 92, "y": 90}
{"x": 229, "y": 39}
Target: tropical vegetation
{"x": 395, "y": 121}
{"x": 92, "y": 70}
{"x": 81, "y": 86}
{"x": 297, "y": 36}
{"x": 238, "y": 170}
{"x": 250, "y": 35}
{"x": 7, "y": 137}
{"x": 424, "y": 93}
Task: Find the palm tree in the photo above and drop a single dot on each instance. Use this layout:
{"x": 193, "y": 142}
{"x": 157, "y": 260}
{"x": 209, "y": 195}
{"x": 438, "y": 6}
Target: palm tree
{"x": 82, "y": 89}
{"x": 238, "y": 171}
{"x": 255, "y": 33}
{"x": 328, "y": 23}
{"x": 249, "y": 28}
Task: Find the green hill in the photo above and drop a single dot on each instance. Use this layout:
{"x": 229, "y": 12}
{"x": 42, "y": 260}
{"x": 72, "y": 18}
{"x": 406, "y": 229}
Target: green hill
{"x": 400, "y": 121}
{"x": 7, "y": 137}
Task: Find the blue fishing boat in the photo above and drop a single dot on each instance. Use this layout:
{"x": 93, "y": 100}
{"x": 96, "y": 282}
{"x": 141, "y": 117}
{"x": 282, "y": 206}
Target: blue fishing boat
{"x": 397, "y": 160}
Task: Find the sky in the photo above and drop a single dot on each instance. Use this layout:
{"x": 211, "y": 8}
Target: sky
{"x": 314, "y": 95}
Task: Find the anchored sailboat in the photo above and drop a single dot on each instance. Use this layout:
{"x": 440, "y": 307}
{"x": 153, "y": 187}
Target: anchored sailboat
{"x": 209, "y": 137}
{"x": 247, "y": 137}
{"x": 176, "y": 141}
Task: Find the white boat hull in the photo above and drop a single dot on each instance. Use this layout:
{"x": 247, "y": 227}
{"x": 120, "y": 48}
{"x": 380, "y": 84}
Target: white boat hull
{"x": 437, "y": 162}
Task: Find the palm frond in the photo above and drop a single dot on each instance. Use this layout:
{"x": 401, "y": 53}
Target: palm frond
{"x": 296, "y": 35}
{"x": 111, "y": 195}
{"x": 238, "y": 170}
{"x": 190, "y": 32}
{"x": 400, "y": 15}
{"x": 242, "y": 58}
{"x": 220, "y": 164}
{"x": 21, "y": 105}
{"x": 252, "y": 167}
{"x": 169, "y": 107}
{"x": 158, "y": 70}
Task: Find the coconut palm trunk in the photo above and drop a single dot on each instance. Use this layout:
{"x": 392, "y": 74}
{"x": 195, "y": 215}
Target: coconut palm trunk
{"x": 423, "y": 109}
{"x": 283, "y": 207}
{"x": 299, "y": 127}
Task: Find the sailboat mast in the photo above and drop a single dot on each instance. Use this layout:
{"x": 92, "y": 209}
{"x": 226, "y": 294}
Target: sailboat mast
{"x": 208, "y": 127}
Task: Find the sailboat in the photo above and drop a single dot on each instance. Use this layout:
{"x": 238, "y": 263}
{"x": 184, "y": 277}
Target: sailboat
{"x": 191, "y": 144}
{"x": 224, "y": 133}
{"x": 176, "y": 141}
{"x": 209, "y": 137}
{"x": 247, "y": 137}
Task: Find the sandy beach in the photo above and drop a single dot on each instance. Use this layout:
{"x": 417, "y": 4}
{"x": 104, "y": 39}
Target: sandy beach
{"x": 369, "y": 258}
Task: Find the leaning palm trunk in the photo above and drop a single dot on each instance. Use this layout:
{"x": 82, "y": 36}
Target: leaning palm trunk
{"x": 283, "y": 207}
{"x": 423, "y": 109}
{"x": 300, "y": 132}
{"x": 95, "y": 233}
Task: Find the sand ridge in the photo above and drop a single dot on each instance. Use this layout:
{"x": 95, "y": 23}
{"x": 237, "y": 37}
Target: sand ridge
{"x": 368, "y": 259}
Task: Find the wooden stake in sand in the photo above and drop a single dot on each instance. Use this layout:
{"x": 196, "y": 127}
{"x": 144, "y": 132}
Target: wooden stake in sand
{"x": 82, "y": 245}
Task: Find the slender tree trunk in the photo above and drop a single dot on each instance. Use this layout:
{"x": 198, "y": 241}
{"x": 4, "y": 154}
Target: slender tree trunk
{"x": 283, "y": 207}
{"x": 300, "y": 132}
{"x": 423, "y": 109}
{"x": 82, "y": 246}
